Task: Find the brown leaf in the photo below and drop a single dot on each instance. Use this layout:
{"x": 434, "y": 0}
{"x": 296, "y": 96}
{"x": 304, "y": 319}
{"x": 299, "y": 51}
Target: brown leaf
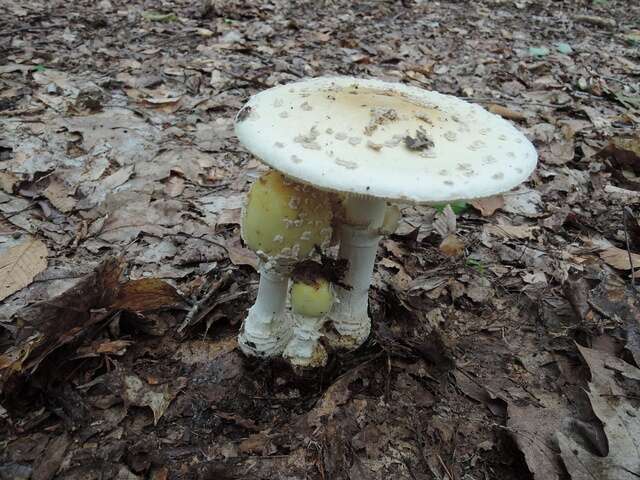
{"x": 619, "y": 259}
{"x": 146, "y": 294}
{"x": 48, "y": 325}
{"x": 47, "y": 465}
{"x": 577, "y": 292}
{"x": 511, "y": 231}
{"x": 445, "y": 222}
{"x": 623, "y": 154}
{"x": 477, "y": 390}
{"x": 452, "y": 246}
{"x": 254, "y": 444}
{"x": 507, "y": 113}
{"x": 199, "y": 351}
{"x": 618, "y": 418}
{"x": 112, "y": 347}
{"x": 12, "y": 359}
{"x": 161, "y": 473}
{"x": 488, "y": 206}
{"x": 240, "y": 255}
{"x": 20, "y": 264}
{"x": 174, "y": 186}
{"x": 157, "y": 397}
{"x": 533, "y": 429}
{"x": 60, "y": 195}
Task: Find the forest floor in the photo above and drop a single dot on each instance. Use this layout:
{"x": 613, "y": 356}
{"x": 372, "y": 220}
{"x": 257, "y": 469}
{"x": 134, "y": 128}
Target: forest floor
{"x": 121, "y": 183}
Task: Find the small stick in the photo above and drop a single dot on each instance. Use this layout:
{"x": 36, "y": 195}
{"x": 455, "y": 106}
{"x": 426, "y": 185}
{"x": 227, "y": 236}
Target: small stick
{"x": 198, "y": 305}
{"x": 626, "y": 211}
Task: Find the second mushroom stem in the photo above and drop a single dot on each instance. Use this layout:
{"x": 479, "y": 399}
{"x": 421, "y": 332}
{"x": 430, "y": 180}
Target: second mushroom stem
{"x": 267, "y": 328}
{"x": 359, "y": 239}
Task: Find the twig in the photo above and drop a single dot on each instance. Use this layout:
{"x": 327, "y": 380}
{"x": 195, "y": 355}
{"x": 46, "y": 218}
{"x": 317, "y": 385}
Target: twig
{"x": 446, "y": 469}
{"x": 198, "y": 307}
{"x": 627, "y": 211}
{"x": 11, "y": 33}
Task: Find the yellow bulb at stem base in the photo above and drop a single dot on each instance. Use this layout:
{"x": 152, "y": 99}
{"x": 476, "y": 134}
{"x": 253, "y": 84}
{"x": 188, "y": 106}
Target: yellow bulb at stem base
{"x": 313, "y": 300}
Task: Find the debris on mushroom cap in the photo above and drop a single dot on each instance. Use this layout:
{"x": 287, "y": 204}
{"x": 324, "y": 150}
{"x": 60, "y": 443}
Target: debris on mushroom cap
{"x": 283, "y": 217}
{"x": 384, "y": 140}
{"x": 380, "y": 116}
{"x": 420, "y": 142}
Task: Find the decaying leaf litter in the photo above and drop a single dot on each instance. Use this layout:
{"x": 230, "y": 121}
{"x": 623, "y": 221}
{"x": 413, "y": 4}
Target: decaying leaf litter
{"x": 505, "y": 340}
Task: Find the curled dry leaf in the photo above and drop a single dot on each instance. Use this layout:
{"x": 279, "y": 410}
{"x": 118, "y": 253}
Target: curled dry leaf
{"x": 240, "y": 255}
{"x": 445, "y": 222}
{"x": 620, "y": 421}
{"x": 20, "y": 264}
{"x": 488, "y": 206}
{"x": 157, "y": 397}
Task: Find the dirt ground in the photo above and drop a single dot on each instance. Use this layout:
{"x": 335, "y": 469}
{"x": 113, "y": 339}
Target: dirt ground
{"x": 121, "y": 183}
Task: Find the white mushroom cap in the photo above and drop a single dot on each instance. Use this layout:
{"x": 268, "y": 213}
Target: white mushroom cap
{"x": 385, "y": 140}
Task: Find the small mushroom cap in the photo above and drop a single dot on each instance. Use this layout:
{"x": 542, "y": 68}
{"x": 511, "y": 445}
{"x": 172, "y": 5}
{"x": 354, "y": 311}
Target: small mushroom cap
{"x": 311, "y": 300}
{"x": 285, "y": 217}
{"x": 385, "y": 140}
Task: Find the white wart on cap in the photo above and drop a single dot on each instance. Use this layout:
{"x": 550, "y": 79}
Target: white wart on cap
{"x": 385, "y": 140}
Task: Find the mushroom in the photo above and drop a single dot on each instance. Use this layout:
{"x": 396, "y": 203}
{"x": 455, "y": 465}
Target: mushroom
{"x": 282, "y": 222}
{"x": 311, "y": 300}
{"x": 374, "y": 142}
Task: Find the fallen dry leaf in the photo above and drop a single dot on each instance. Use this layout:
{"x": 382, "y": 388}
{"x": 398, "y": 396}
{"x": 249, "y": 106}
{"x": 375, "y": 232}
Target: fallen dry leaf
{"x": 452, "y": 246}
{"x": 488, "y": 206}
{"x": 533, "y": 429}
{"x": 619, "y": 259}
{"x": 445, "y": 222}
{"x": 507, "y": 113}
{"x": 240, "y": 255}
{"x": 20, "y": 264}
{"x": 620, "y": 422}
{"x": 111, "y": 347}
{"x": 174, "y": 186}
{"x": 59, "y": 194}
{"x": 47, "y": 465}
{"x": 200, "y": 351}
{"x": 156, "y": 397}
{"x": 255, "y": 444}
{"x": 11, "y": 360}
{"x": 146, "y": 294}
{"x": 623, "y": 157}
{"x": 523, "y": 201}
{"x": 511, "y": 231}
{"x": 65, "y": 318}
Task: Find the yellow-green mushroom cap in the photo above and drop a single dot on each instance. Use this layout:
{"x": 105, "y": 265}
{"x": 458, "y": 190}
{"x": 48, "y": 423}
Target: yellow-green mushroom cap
{"x": 283, "y": 217}
{"x": 311, "y": 300}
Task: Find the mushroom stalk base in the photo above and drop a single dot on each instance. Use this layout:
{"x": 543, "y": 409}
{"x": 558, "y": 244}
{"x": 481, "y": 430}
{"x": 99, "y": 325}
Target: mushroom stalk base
{"x": 359, "y": 245}
{"x": 303, "y": 348}
{"x": 267, "y": 328}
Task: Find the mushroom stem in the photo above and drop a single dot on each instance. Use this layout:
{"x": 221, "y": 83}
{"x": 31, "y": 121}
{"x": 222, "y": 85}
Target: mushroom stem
{"x": 267, "y": 328}
{"x": 359, "y": 239}
{"x": 303, "y": 349}
{"x": 311, "y": 300}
